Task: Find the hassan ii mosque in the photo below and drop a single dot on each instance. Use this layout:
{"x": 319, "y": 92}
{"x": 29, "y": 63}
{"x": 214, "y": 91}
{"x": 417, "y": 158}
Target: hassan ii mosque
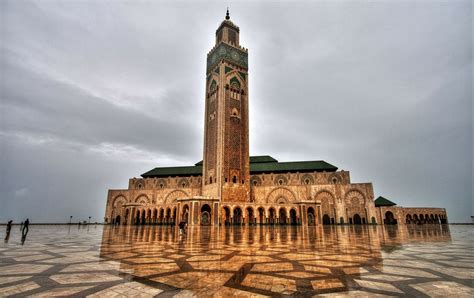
{"x": 229, "y": 187}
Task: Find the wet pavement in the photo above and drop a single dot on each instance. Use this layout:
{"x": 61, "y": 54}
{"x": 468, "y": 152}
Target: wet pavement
{"x": 428, "y": 260}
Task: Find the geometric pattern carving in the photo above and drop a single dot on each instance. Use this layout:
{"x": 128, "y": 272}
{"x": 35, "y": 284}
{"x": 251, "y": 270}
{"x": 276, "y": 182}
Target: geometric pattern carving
{"x": 280, "y": 180}
{"x": 280, "y": 195}
{"x": 172, "y": 196}
{"x": 142, "y": 199}
{"x": 307, "y": 179}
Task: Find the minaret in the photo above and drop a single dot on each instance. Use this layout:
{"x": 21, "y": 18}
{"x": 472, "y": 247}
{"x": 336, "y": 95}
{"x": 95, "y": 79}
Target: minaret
{"x": 226, "y": 129}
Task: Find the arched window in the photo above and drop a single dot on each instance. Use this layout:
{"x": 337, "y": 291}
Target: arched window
{"x": 234, "y": 179}
{"x": 235, "y": 113}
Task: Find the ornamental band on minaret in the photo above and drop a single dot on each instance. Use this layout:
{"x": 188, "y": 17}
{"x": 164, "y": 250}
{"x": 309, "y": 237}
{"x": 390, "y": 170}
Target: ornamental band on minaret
{"x": 226, "y": 135}
{"x": 230, "y": 187}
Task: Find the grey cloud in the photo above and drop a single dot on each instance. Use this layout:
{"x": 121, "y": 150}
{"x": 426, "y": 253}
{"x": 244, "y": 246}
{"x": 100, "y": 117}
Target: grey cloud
{"x": 95, "y": 93}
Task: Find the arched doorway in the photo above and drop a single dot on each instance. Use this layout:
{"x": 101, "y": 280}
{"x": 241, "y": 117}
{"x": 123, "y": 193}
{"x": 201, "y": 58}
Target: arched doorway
{"x": 162, "y": 216}
{"x": 173, "y": 218}
{"x": 311, "y": 218}
{"x": 137, "y": 218}
{"x": 326, "y": 220}
{"x": 389, "y": 218}
{"x": 250, "y": 216}
{"x": 226, "y": 215}
{"x": 148, "y": 217}
{"x": 168, "y": 216}
{"x": 271, "y": 216}
{"x": 293, "y": 219}
{"x": 117, "y": 220}
{"x": 185, "y": 213}
{"x": 261, "y": 216}
{"x": 237, "y": 216}
{"x": 408, "y": 219}
{"x": 357, "y": 219}
{"x": 127, "y": 213}
{"x": 205, "y": 215}
{"x": 143, "y": 217}
{"x": 422, "y": 219}
{"x": 282, "y": 216}
{"x": 155, "y": 216}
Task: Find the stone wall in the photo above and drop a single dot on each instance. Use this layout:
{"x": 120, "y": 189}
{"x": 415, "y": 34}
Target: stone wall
{"x": 296, "y": 198}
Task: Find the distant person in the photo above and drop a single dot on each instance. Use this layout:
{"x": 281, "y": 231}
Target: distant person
{"x": 25, "y": 229}
{"x": 9, "y": 228}
{"x": 182, "y": 226}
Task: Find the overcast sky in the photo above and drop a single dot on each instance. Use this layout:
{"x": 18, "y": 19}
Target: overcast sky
{"x": 93, "y": 94}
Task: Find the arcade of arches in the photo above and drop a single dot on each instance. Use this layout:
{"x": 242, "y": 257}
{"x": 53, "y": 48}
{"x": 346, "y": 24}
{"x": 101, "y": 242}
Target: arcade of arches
{"x": 200, "y": 211}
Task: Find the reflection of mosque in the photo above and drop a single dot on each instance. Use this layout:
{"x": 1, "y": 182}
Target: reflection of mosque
{"x": 334, "y": 238}
{"x": 160, "y": 250}
{"x": 229, "y": 187}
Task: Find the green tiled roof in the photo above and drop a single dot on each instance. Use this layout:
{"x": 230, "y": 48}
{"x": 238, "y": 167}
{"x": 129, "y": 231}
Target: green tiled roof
{"x": 295, "y": 166}
{"x": 253, "y": 159}
{"x": 258, "y": 165}
{"x": 173, "y": 172}
{"x": 381, "y": 201}
{"x": 262, "y": 158}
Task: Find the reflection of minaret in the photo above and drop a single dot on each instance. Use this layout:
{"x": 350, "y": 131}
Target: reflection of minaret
{"x": 226, "y": 134}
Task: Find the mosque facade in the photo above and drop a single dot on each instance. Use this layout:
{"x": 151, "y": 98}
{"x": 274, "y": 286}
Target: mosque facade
{"x": 231, "y": 187}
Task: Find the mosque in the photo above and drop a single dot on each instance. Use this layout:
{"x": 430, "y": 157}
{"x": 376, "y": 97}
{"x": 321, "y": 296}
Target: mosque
{"x": 230, "y": 187}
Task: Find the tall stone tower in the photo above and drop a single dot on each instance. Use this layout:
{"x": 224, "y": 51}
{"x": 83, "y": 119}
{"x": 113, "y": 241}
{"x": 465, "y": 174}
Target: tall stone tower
{"x": 226, "y": 168}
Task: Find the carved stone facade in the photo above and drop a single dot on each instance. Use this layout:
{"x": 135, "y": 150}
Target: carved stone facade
{"x": 230, "y": 187}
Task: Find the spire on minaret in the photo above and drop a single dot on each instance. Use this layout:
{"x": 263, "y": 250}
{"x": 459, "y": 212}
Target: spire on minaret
{"x": 227, "y": 15}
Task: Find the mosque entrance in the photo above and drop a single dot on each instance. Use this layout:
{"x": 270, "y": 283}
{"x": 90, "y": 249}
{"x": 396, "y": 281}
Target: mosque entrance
{"x": 357, "y": 219}
{"x": 293, "y": 217}
{"x": 389, "y": 218}
{"x": 326, "y": 220}
{"x": 311, "y": 219}
{"x": 205, "y": 215}
{"x": 237, "y": 216}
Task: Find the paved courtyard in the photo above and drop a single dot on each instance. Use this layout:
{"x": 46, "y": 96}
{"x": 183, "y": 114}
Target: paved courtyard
{"x": 147, "y": 261}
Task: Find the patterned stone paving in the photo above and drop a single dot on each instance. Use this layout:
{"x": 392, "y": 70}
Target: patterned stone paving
{"x": 149, "y": 261}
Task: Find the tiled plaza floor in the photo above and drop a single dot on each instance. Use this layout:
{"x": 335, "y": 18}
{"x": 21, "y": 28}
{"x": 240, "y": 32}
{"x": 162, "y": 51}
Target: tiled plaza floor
{"x": 148, "y": 261}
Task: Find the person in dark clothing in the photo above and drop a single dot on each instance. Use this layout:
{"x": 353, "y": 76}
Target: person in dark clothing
{"x": 182, "y": 226}
{"x": 9, "y": 228}
{"x": 25, "y": 229}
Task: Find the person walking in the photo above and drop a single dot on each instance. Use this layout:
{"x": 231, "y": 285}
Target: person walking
{"x": 25, "y": 227}
{"x": 9, "y": 228}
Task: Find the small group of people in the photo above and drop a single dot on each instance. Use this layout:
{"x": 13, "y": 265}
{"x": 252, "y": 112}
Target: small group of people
{"x": 24, "y": 228}
{"x": 182, "y": 228}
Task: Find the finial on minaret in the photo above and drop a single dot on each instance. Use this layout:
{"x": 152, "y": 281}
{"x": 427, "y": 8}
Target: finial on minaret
{"x": 227, "y": 15}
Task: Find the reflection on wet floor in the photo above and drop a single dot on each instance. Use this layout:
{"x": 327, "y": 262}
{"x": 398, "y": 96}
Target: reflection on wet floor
{"x": 244, "y": 261}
